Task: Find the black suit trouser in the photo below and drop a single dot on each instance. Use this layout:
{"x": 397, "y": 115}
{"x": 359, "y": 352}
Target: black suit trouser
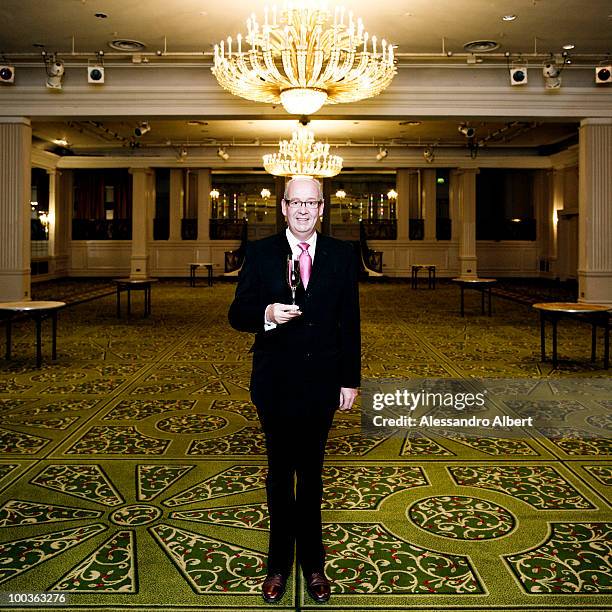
{"x": 296, "y": 434}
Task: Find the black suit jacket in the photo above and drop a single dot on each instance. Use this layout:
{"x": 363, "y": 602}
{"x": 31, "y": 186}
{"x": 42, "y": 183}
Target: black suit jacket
{"x": 316, "y": 353}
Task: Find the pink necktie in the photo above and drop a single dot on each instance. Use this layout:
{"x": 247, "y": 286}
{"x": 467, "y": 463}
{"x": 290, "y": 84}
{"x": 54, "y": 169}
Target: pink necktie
{"x": 305, "y": 264}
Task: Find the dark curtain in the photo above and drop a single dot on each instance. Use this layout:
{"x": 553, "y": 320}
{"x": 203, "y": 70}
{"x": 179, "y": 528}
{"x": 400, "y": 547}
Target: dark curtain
{"x": 122, "y": 180}
{"x": 89, "y": 194}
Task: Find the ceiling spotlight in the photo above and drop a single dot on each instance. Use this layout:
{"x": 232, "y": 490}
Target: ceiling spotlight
{"x": 7, "y": 75}
{"x": 142, "y": 129}
{"x": 183, "y": 152}
{"x": 508, "y": 17}
{"x": 55, "y": 71}
{"x": 552, "y": 75}
{"x": 382, "y": 153}
{"x": 95, "y": 74}
{"x": 518, "y": 74}
{"x": 429, "y": 154}
{"x": 603, "y": 75}
{"x": 468, "y": 132}
{"x": 222, "y": 153}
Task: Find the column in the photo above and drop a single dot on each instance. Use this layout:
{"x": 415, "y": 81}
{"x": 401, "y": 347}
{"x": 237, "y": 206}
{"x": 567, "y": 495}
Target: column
{"x": 204, "y": 187}
{"x": 15, "y": 178}
{"x": 279, "y": 184}
{"x": 453, "y": 203}
{"x": 402, "y": 211}
{"x": 467, "y": 223}
{"x": 595, "y": 211}
{"x": 176, "y": 203}
{"x": 428, "y": 187}
{"x": 543, "y": 213}
{"x": 141, "y": 195}
{"x": 325, "y": 223}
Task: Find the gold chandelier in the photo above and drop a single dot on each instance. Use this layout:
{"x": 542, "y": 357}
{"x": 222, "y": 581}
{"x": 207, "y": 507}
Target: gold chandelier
{"x": 302, "y": 156}
{"x": 303, "y": 60}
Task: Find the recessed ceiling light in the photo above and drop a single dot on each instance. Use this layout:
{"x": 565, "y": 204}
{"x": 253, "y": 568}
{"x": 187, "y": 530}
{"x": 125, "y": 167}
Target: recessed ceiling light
{"x": 569, "y": 46}
{"x": 101, "y": 15}
{"x": 481, "y": 46}
{"x": 125, "y": 44}
{"x": 508, "y": 17}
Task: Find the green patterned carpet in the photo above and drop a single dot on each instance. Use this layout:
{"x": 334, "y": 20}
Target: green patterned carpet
{"x": 132, "y": 469}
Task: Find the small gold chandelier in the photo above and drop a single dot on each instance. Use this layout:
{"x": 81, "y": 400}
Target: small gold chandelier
{"x": 302, "y": 156}
{"x": 303, "y": 62}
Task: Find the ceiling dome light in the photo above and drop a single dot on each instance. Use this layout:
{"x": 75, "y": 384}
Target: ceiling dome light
{"x": 508, "y": 17}
{"x": 124, "y": 44}
{"x": 302, "y": 100}
{"x": 304, "y": 58}
{"x": 481, "y": 46}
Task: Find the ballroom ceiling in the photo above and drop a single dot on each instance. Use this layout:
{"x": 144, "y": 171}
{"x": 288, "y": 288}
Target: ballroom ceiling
{"x": 185, "y": 30}
{"x": 415, "y": 26}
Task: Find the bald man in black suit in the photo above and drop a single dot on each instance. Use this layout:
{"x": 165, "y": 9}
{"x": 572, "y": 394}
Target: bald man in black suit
{"x": 306, "y": 364}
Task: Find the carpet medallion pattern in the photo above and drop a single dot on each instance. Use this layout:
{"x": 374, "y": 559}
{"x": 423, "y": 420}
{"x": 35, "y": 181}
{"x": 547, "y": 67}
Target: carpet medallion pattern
{"x": 132, "y": 469}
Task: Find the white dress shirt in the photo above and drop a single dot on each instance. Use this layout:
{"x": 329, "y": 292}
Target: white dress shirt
{"x": 296, "y": 251}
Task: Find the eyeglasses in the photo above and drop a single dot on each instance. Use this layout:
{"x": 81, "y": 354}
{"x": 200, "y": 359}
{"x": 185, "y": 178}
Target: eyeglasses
{"x": 300, "y": 203}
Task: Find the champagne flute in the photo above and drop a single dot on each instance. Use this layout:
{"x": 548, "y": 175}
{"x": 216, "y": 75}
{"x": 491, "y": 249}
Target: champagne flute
{"x": 293, "y": 276}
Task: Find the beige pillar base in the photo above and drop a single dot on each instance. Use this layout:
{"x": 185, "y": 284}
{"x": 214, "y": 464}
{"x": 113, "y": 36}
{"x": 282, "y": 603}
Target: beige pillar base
{"x": 595, "y": 287}
{"x": 468, "y": 267}
{"x": 139, "y": 266}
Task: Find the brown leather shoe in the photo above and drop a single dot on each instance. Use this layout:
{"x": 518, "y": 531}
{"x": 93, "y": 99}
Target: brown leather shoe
{"x": 273, "y": 588}
{"x": 318, "y": 587}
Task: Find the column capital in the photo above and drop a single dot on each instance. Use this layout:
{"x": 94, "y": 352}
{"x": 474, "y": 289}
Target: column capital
{"x": 596, "y": 121}
{"x": 140, "y": 170}
{"x": 22, "y": 120}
